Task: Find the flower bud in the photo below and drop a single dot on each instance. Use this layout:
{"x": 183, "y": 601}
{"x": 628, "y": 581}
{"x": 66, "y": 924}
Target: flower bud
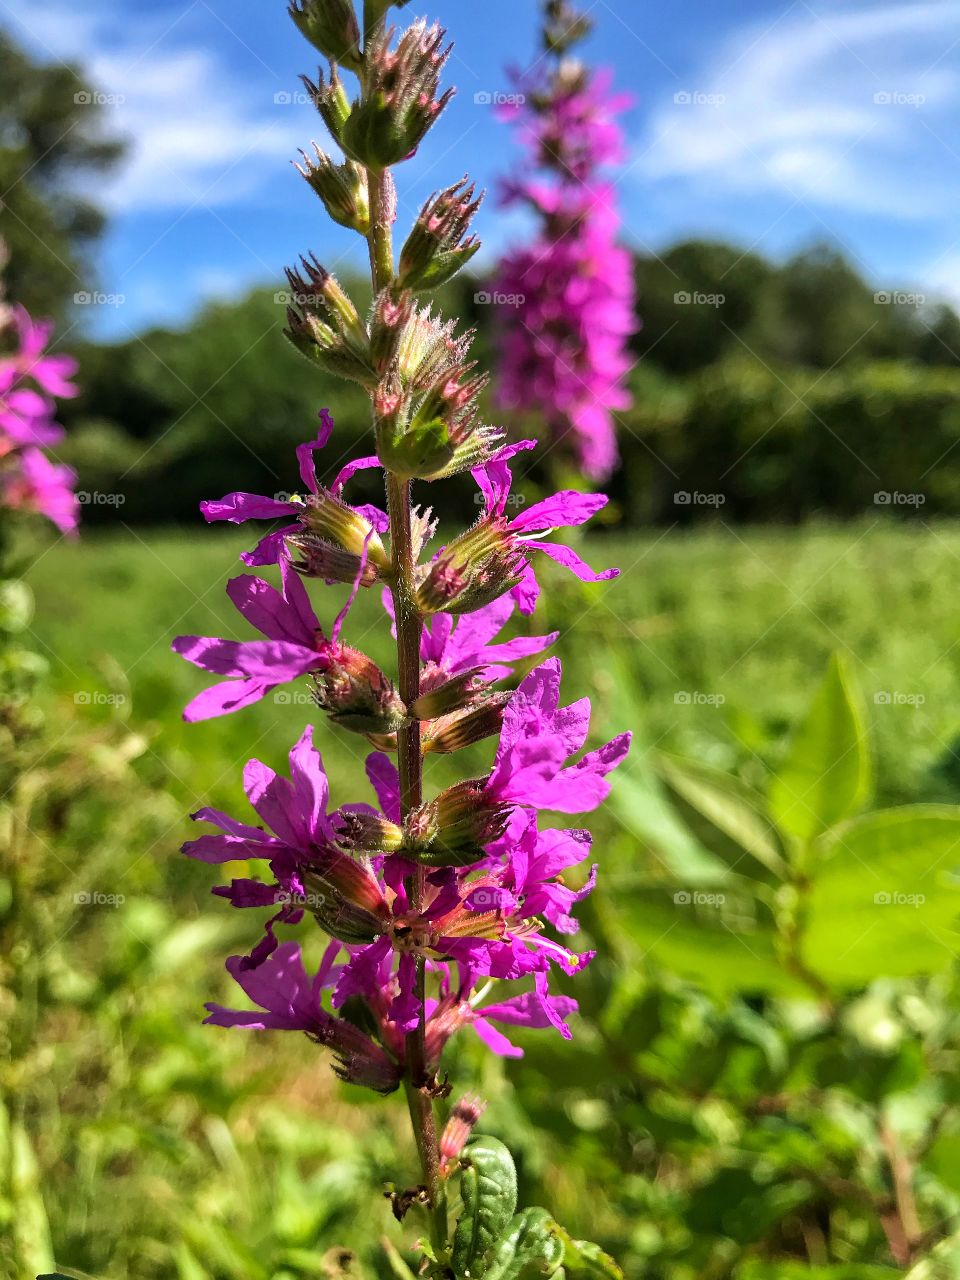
{"x": 438, "y": 245}
{"x": 345, "y": 898}
{"x": 330, "y": 100}
{"x": 334, "y": 521}
{"x": 367, "y": 833}
{"x": 330, "y": 26}
{"x": 471, "y": 571}
{"x": 321, "y": 559}
{"x": 453, "y": 695}
{"x": 453, "y": 829}
{"x": 456, "y": 1132}
{"x": 401, "y": 102}
{"x": 341, "y": 187}
{"x": 359, "y": 1060}
{"x": 324, "y": 325}
{"x": 392, "y": 313}
{"x": 463, "y": 728}
{"x": 357, "y": 695}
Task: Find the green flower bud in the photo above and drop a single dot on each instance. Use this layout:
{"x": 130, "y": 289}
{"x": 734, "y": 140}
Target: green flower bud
{"x": 330, "y": 26}
{"x": 438, "y": 245}
{"x": 401, "y": 102}
{"x": 341, "y": 187}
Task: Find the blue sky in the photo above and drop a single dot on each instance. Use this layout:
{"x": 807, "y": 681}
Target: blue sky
{"x": 766, "y": 123}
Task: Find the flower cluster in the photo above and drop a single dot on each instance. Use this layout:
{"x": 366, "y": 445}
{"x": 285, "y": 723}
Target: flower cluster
{"x": 30, "y": 382}
{"x": 563, "y": 341}
{"x": 493, "y": 878}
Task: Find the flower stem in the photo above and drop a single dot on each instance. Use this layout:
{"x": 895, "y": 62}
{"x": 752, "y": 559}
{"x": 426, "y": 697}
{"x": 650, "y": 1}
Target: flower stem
{"x": 410, "y": 756}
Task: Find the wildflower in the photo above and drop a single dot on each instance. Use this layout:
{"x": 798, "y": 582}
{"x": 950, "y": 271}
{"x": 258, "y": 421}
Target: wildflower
{"x": 290, "y": 1000}
{"x": 537, "y": 739}
{"x": 354, "y": 522}
{"x": 563, "y": 347}
{"x": 496, "y": 550}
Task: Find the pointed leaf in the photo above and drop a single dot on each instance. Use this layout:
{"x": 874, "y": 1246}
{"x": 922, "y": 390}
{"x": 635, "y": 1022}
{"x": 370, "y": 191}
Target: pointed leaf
{"x": 726, "y": 806}
{"x": 826, "y": 775}
{"x": 583, "y": 1260}
{"x": 488, "y": 1187}
{"x": 530, "y": 1248}
{"x": 886, "y": 896}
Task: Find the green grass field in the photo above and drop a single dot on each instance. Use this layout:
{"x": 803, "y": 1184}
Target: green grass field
{"x": 162, "y": 1148}
{"x": 723, "y": 635}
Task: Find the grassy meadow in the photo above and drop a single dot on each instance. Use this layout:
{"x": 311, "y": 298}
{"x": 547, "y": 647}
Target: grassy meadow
{"x": 161, "y": 1148}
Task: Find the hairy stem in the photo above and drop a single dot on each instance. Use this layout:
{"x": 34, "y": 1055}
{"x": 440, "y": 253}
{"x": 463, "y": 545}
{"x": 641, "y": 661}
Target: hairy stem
{"x": 410, "y": 755}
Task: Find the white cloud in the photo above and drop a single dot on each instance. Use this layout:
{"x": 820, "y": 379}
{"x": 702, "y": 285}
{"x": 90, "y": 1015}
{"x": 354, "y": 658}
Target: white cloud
{"x": 849, "y": 107}
{"x": 196, "y": 131}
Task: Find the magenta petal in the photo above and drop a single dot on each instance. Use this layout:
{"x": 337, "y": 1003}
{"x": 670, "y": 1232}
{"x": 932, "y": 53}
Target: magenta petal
{"x": 221, "y": 699}
{"x": 385, "y": 781}
{"x": 562, "y": 510}
{"x": 567, "y": 557}
{"x": 495, "y": 1040}
{"x": 271, "y": 549}
{"x": 275, "y": 801}
{"x": 310, "y": 786}
{"x": 238, "y": 507}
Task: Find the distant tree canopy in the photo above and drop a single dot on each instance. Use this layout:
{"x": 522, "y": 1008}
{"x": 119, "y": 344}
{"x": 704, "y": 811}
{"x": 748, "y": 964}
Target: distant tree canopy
{"x": 53, "y": 136}
{"x": 700, "y": 301}
{"x": 789, "y": 388}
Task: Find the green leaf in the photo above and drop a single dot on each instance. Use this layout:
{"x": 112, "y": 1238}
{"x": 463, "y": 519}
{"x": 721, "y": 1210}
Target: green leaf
{"x": 530, "y": 1248}
{"x": 488, "y": 1187}
{"x": 582, "y": 1258}
{"x": 726, "y": 806}
{"x": 679, "y": 930}
{"x": 884, "y": 902}
{"x": 826, "y": 775}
